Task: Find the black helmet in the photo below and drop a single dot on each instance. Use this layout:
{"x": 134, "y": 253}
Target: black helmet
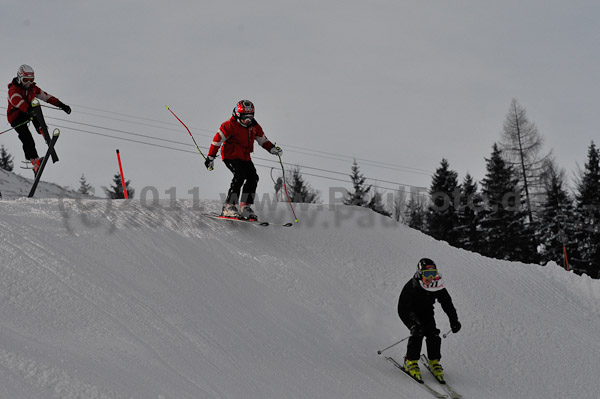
{"x": 426, "y": 264}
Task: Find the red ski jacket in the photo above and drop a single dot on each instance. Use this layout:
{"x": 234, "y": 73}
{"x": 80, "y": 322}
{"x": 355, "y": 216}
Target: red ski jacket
{"x": 20, "y": 98}
{"x": 237, "y": 141}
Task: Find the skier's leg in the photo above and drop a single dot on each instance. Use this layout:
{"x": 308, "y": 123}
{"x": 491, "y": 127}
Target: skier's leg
{"x": 251, "y": 178}
{"x": 434, "y": 342}
{"x": 236, "y": 167}
{"x": 413, "y": 349}
{"x": 28, "y": 143}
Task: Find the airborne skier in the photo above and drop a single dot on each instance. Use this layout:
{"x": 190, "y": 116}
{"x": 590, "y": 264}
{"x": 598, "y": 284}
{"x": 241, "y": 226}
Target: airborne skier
{"x": 237, "y": 136}
{"x": 21, "y": 92}
{"x": 415, "y": 308}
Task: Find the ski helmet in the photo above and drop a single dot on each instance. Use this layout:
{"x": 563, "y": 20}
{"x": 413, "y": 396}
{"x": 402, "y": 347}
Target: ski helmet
{"x": 244, "y": 112}
{"x": 25, "y": 75}
{"x": 426, "y": 268}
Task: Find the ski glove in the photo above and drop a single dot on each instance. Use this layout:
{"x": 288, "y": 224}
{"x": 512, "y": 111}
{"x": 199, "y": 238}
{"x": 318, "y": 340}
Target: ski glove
{"x": 30, "y": 112}
{"x": 276, "y": 151}
{"x": 65, "y": 108}
{"x": 455, "y": 326}
{"x": 209, "y": 162}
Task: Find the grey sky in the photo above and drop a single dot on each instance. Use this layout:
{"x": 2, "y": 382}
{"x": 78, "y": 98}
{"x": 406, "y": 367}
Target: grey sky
{"x": 400, "y": 82}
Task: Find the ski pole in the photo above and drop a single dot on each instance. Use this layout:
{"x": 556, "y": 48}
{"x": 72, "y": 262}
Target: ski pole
{"x": 285, "y": 189}
{"x": 184, "y": 125}
{"x": 19, "y": 125}
{"x": 391, "y": 346}
{"x": 448, "y": 333}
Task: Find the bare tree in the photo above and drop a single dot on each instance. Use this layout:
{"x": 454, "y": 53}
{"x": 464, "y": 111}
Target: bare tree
{"x": 521, "y": 146}
{"x": 399, "y": 204}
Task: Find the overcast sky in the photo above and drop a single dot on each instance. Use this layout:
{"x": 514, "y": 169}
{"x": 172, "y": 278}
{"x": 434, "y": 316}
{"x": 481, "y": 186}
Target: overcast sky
{"x": 399, "y": 83}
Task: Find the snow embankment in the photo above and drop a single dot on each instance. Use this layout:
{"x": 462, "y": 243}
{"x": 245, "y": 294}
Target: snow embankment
{"x": 124, "y": 299}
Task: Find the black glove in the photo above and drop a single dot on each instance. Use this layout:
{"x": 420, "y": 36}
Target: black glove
{"x": 416, "y": 330}
{"x": 455, "y": 326}
{"x": 30, "y": 112}
{"x": 209, "y": 162}
{"x": 65, "y": 108}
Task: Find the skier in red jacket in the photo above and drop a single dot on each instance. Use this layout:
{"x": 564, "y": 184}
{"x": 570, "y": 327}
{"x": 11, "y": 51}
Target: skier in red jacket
{"x": 21, "y": 92}
{"x": 236, "y": 138}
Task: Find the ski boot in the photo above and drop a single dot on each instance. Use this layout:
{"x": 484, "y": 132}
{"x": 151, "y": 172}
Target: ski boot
{"x": 36, "y": 162}
{"x": 436, "y": 370}
{"x": 247, "y": 212}
{"x": 412, "y": 368}
{"x": 231, "y": 211}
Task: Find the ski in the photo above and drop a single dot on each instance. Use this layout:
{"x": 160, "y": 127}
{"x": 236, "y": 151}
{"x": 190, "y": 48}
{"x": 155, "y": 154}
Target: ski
{"x": 217, "y": 216}
{"x": 27, "y": 165}
{"x": 257, "y": 222}
{"x": 422, "y": 384}
{"x": 38, "y": 175}
{"x": 453, "y": 394}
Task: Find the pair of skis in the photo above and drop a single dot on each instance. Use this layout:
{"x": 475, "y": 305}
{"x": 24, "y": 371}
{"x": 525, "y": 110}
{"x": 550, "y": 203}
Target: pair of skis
{"x": 450, "y": 392}
{"x": 241, "y": 220}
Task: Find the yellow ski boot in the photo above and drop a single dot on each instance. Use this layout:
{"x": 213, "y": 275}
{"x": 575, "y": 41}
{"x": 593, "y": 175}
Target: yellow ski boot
{"x": 412, "y": 368}
{"x": 436, "y": 370}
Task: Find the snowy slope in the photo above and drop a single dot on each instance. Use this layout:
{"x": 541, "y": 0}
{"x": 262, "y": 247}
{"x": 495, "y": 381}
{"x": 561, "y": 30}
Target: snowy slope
{"x": 119, "y": 299}
{"x": 13, "y": 186}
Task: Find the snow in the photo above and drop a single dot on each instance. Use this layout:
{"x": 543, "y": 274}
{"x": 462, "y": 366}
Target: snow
{"x": 125, "y": 299}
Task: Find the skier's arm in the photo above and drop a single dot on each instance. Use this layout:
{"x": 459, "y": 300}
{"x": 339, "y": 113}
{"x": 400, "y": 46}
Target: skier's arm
{"x": 217, "y": 142}
{"x": 405, "y": 307}
{"x": 50, "y": 99}
{"x": 17, "y": 100}
{"x": 448, "y": 307}
{"x": 263, "y": 141}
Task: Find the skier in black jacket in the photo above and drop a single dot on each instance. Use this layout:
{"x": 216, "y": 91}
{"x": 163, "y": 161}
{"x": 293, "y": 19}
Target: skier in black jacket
{"x": 415, "y": 308}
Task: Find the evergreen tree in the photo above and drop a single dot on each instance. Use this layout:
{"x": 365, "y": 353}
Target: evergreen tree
{"x": 377, "y": 205}
{"x": 84, "y": 187}
{"x": 588, "y": 216}
{"x": 301, "y": 191}
{"x": 467, "y": 215}
{"x": 116, "y": 189}
{"x": 415, "y": 213}
{"x": 556, "y": 218}
{"x": 441, "y": 217}
{"x": 359, "y": 196}
{"x": 502, "y": 219}
{"x": 6, "y": 160}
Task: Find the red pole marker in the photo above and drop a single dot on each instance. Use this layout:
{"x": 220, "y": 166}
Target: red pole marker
{"x": 122, "y": 177}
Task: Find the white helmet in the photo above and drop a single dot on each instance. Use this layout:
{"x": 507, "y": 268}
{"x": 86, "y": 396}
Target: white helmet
{"x": 25, "y": 75}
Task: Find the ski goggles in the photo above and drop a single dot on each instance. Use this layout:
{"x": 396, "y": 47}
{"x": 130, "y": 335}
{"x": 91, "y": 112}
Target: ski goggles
{"x": 28, "y": 80}
{"x": 431, "y": 273}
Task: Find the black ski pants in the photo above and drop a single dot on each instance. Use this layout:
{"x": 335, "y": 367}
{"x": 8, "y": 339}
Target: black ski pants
{"x": 434, "y": 342}
{"x": 245, "y": 180}
{"x": 26, "y": 137}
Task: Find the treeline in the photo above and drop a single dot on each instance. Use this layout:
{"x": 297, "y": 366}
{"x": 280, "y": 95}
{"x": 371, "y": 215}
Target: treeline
{"x": 522, "y": 210}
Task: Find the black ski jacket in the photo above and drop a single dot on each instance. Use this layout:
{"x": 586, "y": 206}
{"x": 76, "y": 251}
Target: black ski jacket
{"x": 415, "y": 305}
